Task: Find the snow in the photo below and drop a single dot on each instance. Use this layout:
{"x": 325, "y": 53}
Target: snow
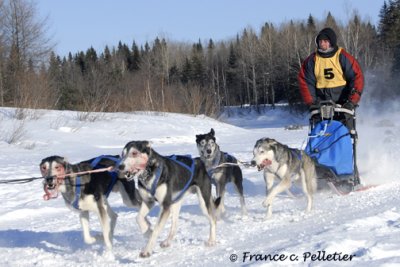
{"x": 360, "y": 229}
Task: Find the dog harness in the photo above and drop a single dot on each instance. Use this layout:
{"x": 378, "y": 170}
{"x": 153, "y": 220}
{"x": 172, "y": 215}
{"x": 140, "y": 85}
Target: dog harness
{"x": 216, "y": 162}
{"x": 297, "y": 153}
{"x": 158, "y": 173}
{"x": 95, "y": 165}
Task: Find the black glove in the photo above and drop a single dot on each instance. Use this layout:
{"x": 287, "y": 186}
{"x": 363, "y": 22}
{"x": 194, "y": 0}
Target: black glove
{"x": 348, "y": 105}
{"x": 313, "y": 107}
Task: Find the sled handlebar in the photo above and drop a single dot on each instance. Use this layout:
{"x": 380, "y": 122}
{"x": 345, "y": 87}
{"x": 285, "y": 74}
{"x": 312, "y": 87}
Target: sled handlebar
{"x": 327, "y": 108}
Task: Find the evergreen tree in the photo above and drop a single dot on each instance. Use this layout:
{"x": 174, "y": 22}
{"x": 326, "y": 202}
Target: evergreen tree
{"x": 233, "y": 81}
{"x": 107, "y": 56}
{"x": 186, "y": 74}
{"x": 330, "y": 22}
{"x": 311, "y": 27}
{"x": 91, "y": 55}
{"x": 174, "y": 74}
{"x": 135, "y": 57}
{"x": 198, "y": 72}
{"x": 389, "y": 32}
{"x": 67, "y": 92}
{"x": 81, "y": 63}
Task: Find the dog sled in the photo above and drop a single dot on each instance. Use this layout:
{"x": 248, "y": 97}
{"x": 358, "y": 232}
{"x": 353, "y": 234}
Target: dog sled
{"x": 332, "y": 143}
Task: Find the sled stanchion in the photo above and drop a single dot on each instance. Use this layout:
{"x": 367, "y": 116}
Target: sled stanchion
{"x": 355, "y": 139}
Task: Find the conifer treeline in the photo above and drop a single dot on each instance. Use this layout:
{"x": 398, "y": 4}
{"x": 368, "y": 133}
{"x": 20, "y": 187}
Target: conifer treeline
{"x": 255, "y": 68}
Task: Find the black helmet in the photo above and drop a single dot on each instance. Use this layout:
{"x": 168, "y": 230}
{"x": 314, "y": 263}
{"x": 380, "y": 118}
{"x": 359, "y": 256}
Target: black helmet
{"x": 326, "y": 33}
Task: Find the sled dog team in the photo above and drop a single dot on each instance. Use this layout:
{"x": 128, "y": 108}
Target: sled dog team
{"x": 167, "y": 180}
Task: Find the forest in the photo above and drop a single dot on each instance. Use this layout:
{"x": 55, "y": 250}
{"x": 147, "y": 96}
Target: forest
{"x": 258, "y": 67}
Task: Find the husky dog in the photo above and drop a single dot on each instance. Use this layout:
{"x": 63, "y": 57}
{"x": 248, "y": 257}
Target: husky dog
{"x": 221, "y": 167}
{"x": 166, "y": 180}
{"x": 286, "y": 164}
{"x": 88, "y": 192}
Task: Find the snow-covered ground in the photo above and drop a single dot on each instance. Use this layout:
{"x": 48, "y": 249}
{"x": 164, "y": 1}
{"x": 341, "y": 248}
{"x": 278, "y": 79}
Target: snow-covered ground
{"x": 360, "y": 229}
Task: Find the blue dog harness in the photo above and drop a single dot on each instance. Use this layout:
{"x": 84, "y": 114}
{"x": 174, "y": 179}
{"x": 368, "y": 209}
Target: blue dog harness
{"x": 158, "y": 173}
{"x": 228, "y": 158}
{"x": 95, "y": 165}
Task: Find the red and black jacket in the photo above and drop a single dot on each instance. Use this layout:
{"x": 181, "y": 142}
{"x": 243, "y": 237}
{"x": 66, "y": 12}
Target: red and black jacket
{"x": 350, "y": 92}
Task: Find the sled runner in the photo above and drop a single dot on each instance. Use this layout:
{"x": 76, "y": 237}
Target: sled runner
{"x": 332, "y": 142}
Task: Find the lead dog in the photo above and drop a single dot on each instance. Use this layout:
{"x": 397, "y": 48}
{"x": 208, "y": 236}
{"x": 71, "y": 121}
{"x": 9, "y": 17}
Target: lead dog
{"x": 88, "y": 192}
{"x": 286, "y": 164}
{"x": 166, "y": 180}
{"x": 221, "y": 167}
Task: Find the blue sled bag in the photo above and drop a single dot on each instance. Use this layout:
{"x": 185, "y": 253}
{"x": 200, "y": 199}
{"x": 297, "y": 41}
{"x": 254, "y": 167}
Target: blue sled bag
{"x": 330, "y": 144}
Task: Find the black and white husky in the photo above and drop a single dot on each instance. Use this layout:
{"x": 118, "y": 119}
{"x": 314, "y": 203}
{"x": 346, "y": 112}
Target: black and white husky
{"x": 287, "y": 165}
{"x": 88, "y": 191}
{"x": 166, "y": 180}
{"x": 221, "y": 167}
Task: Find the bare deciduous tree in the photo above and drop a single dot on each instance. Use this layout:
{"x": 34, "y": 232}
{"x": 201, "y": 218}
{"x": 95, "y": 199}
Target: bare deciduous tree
{"x": 25, "y": 47}
{"x": 26, "y": 31}
{"x": 250, "y": 52}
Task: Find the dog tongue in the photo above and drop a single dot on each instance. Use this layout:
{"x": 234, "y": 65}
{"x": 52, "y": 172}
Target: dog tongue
{"x": 267, "y": 162}
{"x": 49, "y": 194}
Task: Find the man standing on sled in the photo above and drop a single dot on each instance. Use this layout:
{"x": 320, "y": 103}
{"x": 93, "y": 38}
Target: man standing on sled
{"x": 331, "y": 73}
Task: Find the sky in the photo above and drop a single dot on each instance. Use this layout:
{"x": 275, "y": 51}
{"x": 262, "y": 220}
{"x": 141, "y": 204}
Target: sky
{"x": 34, "y": 232}
{"x": 76, "y": 25}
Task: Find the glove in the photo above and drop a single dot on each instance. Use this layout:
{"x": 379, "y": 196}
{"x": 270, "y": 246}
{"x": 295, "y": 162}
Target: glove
{"x": 348, "y": 105}
{"x": 313, "y": 107}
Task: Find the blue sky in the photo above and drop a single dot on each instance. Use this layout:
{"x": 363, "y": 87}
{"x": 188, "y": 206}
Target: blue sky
{"x": 76, "y": 25}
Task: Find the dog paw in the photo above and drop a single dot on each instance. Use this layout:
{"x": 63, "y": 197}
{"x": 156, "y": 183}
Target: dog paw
{"x": 90, "y": 240}
{"x": 265, "y": 203}
{"x": 144, "y": 254}
{"x": 244, "y": 217}
{"x": 165, "y": 244}
{"x": 108, "y": 255}
{"x": 244, "y": 212}
{"x": 210, "y": 243}
{"x": 266, "y": 218}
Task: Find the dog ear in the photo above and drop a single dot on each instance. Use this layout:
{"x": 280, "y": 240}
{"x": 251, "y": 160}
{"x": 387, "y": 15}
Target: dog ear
{"x": 147, "y": 144}
{"x": 279, "y": 150}
{"x": 198, "y": 138}
{"x": 271, "y": 141}
{"x": 212, "y": 132}
{"x": 64, "y": 161}
{"x": 66, "y": 164}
